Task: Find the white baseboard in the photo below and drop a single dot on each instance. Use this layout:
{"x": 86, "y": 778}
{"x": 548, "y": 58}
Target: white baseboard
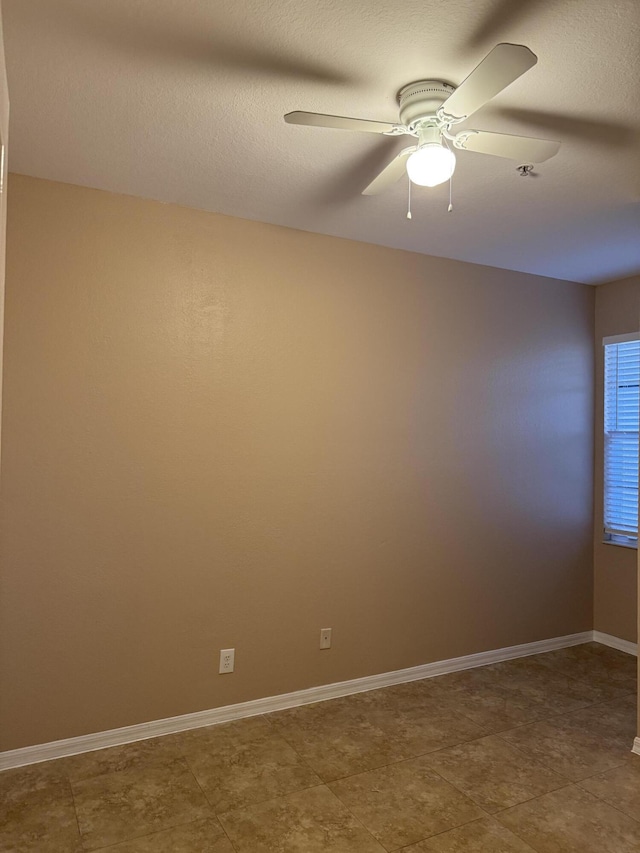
{"x": 636, "y": 746}
{"x": 616, "y": 643}
{"x": 171, "y": 725}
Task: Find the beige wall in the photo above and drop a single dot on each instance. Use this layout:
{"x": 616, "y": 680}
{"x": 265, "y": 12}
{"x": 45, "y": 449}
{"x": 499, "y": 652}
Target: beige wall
{"x": 4, "y": 141}
{"x": 615, "y": 567}
{"x": 220, "y": 433}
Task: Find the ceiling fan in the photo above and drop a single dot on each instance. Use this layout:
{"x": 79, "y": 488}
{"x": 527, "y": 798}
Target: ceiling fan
{"x": 429, "y": 109}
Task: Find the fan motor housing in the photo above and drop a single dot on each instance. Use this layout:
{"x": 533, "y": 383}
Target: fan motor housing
{"x": 421, "y": 100}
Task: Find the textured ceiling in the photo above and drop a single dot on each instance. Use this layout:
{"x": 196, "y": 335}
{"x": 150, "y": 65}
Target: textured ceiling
{"x": 183, "y": 102}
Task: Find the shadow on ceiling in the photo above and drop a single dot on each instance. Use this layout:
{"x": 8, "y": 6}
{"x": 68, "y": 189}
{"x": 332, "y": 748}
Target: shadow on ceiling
{"x": 505, "y": 16}
{"x": 595, "y": 131}
{"x": 349, "y": 179}
{"x": 189, "y": 43}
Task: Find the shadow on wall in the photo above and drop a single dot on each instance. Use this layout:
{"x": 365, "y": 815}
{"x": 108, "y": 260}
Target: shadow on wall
{"x": 574, "y": 251}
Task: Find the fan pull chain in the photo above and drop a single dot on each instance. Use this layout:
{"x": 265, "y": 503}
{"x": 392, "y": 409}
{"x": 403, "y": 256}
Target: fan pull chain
{"x": 409, "y": 202}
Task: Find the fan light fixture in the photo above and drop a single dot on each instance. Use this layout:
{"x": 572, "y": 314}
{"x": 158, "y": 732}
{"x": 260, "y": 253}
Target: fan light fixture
{"x": 430, "y": 165}
{"x": 430, "y": 109}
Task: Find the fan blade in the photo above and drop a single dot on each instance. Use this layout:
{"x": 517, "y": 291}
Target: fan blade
{"x": 523, "y": 148}
{"x": 590, "y": 130}
{"x": 504, "y": 64}
{"x": 390, "y": 174}
{"x": 342, "y": 123}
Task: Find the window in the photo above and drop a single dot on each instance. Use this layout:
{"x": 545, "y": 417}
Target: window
{"x": 621, "y": 415}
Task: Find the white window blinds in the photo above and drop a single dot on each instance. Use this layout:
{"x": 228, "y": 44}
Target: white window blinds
{"x": 621, "y": 415}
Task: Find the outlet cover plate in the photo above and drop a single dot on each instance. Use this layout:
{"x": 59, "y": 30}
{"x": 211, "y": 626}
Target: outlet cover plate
{"x": 325, "y": 638}
{"x": 227, "y": 660}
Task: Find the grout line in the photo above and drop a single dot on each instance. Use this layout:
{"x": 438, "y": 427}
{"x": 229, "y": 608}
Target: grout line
{"x": 567, "y": 784}
{"x": 185, "y": 758}
{"x": 539, "y": 761}
{"x": 555, "y": 716}
{"x": 599, "y": 773}
{"x": 75, "y": 808}
{"x": 542, "y": 761}
{"x": 356, "y": 818}
{"x": 492, "y": 817}
{"x": 217, "y": 813}
{"x": 399, "y": 760}
{"x": 601, "y": 799}
{"x": 318, "y": 784}
{"x": 444, "y": 831}
{"x": 144, "y": 835}
{"x": 493, "y": 813}
{"x": 515, "y": 829}
{"x": 431, "y": 770}
{"x": 153, "y": 832}
{"x": 227, "y": 836}
{"x": 487, "y": 733}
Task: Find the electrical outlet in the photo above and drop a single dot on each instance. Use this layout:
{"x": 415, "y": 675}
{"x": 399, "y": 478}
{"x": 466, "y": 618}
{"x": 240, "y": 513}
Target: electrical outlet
{"x": 325, "y": 638}
{"x": 227, "y": 660}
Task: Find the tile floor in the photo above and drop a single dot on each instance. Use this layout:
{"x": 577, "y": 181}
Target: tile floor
{"x": 522, "y": 756}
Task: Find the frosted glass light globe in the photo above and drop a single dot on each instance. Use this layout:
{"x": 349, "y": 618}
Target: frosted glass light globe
{"x": 430, "y": 165}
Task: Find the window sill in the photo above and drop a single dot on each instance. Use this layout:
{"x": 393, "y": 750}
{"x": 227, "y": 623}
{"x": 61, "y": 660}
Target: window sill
{"x": 622, "y": 542}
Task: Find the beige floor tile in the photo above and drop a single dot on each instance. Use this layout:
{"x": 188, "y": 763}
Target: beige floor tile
{"x": 203, "y": 836}
{"x": 580, "y": 744}
{"x": 223, "y": 736}
{"x": 619, "y": 787}
{"x": 479, "y": 696}
{"x": 337, "y": 738}
{"x": 119, "y": 806}
{"x": 126, "y": 757}
{"x": 618, "y": 717}
{"x": 408, "y": 694}
{"x": 405, "y": 802}
{"x": 311, "y": 821}
{"x": 424, "y": 726}
{"x": 551, "y": 691}
{"x": 42, "y": 820}
{"x": 572, "y": 821}
{"x": 594, "y": 663}
{"x": 249, "y": 773}
{"x": 480, "y": 836}
{"x": 494, "y": 774}
{"x": 376, "y": 728}
{"x": 466, "y": 679}
{"x": 408, "y": 698}
{"x": 21, "y": 781}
